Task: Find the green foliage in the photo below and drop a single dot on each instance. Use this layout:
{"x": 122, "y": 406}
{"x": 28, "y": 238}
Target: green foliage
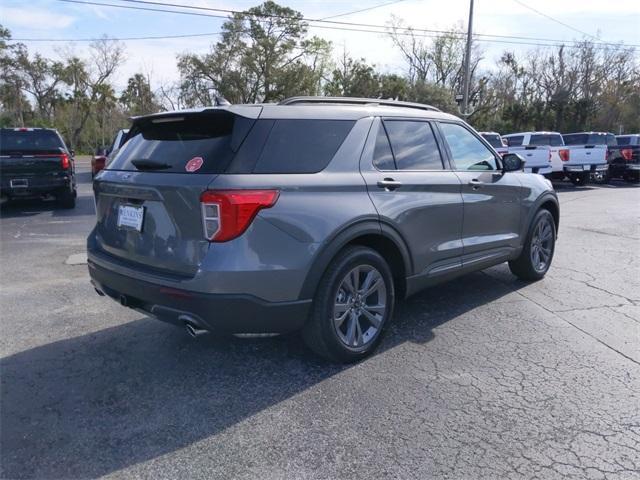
{"x": 266, "y": 54}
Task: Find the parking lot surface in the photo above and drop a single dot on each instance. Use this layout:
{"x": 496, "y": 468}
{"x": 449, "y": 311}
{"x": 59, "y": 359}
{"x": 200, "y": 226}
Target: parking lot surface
{"x": 483, "y": 377}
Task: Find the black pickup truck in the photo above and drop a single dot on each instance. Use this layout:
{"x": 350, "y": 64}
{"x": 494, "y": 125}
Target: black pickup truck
{"x": 35, "y": 163}
{"x": 624, "y": 158}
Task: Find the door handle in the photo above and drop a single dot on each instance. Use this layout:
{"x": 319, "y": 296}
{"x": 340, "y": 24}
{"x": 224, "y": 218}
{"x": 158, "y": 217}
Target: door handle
{"x": 389, "y": 184}
{"x": 475, "y": 183}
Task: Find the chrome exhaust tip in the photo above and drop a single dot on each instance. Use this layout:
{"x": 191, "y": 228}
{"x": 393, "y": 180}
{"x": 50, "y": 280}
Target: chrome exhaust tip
{"x": 194, "y": 331}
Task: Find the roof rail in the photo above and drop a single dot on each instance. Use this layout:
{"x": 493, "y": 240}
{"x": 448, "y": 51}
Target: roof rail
{"x": 356, "y": 101}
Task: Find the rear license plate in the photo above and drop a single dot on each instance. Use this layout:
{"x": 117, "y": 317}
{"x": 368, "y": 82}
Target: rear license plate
{"x": 587, "y": 167}
{"x": 130, "y": 217}
{"x": 19, "y": 183}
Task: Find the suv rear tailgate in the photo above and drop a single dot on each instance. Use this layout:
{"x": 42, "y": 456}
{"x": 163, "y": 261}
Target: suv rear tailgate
{"x": 148, "y": 198}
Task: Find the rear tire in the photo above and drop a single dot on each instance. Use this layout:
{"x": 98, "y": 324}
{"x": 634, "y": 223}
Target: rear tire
{"x": 67, "y": 199}
{"x": 579, "y": 179}
{"x": 353, "y": 304}
{"x": 536, "y": 256}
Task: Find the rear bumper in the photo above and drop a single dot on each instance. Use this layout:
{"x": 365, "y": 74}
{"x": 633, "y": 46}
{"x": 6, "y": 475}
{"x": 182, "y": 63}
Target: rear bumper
{"x": 215, "y": 312}
{"x": 546, "y": 170}
{"x": 35, "y": 186}
{"x": 586, "y": 168}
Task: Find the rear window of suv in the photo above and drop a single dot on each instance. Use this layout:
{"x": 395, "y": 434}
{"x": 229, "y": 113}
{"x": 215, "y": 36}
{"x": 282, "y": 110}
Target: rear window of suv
{"x": 34, "y": 142}
{"x": 229, "y": 143}
{"x": 173, "y": 141}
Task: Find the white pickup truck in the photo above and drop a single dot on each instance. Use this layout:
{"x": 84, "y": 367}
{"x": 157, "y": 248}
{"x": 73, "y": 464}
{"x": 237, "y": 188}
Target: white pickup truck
{"x": 546, "y": 153}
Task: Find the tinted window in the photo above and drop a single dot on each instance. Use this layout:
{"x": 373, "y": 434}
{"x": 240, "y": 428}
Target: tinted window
{"x": 554, "y": 140}
{"x": 29, "y": 141}
{"x": 174, "y": 142}
{"x": 590, "y": 139}
{"x": 468, "y": 152}
{"x": 414, "y": 145}
{"x": 302, "y": 146}
{"x": 515, "y": 141}
{"x": 494, "y": 140}
{"x": 382, "y": 156}
{"x": 625, "y": 140}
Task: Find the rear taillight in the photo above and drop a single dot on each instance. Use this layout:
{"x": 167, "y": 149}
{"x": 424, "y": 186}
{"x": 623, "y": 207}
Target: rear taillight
{"x": 564, "y": 154}
{"x": 64, "y": 161}
{"x": 627, "y": 154}
{"x": 226, "y": 214}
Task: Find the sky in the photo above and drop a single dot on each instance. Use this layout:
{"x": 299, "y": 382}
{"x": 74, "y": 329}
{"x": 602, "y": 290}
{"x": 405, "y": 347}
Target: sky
{"x": 611, "y": 21}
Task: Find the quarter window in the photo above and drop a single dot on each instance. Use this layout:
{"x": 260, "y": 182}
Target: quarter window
{"x": 468, "y": 152}
{"x": 414, "y": 145}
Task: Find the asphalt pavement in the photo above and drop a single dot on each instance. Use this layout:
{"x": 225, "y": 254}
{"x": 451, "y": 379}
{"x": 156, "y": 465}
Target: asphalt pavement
{"x": 483, "y": 377}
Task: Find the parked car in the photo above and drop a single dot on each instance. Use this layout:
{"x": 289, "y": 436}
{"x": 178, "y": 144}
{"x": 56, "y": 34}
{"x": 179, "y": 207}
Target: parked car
{"x": 624, "y": 159}
{"x": 496, "y": 141}
{"x": 103, "y": 155}
{"x": 537, "y": 149}
{"x": 36, "y": 163}
{"x": 98, "y": 160}
{"x": 590, "y": 145}
{"x": 316, "y": 214}
{"x": 575, "y": 162}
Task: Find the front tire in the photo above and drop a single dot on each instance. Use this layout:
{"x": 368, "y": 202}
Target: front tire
{"x": 536, "y": 256}
{"x": 353, "y": 303}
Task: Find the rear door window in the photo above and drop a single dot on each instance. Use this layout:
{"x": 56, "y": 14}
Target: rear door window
{"x": 413, "y": 145}
{"x": 467, "y": 151}
{"x": 301, "y": 146}
{"x": 172, "y": 142}
{"x": 624, "y": 140}
{"x": 554, "y": 140}
{"x": 29, "y": 142}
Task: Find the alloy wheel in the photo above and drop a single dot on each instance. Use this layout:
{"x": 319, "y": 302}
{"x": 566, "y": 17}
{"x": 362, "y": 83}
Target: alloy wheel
{"x": 360, "y": 306}
{"x": 542, "y": 245}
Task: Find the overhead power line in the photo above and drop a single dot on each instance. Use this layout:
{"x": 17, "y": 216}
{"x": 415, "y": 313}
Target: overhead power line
{"x": 566, "y": 25}
{"x": 333, "y": 25}
{"x": 362, "y": 10}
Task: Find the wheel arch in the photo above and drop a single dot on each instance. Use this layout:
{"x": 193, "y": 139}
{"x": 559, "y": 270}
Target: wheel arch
{"x": 379, "y": 237}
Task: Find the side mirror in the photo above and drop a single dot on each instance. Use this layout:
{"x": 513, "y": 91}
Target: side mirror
{"x": 512, "y": 162}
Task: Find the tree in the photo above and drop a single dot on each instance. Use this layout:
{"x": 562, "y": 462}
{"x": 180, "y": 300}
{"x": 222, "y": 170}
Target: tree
{"x": 263, "y": 55}
{"x": 138, "y": 98}
{"x": 353, "y": 78}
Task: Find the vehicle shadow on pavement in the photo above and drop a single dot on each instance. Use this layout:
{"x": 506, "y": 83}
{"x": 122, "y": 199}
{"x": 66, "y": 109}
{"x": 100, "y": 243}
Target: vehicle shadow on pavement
{"x": 29, "y": 208}
{"x": 97, "y": 403}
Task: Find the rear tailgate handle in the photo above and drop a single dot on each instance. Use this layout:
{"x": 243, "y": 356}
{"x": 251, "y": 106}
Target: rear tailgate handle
{"x": 389, "y": 184}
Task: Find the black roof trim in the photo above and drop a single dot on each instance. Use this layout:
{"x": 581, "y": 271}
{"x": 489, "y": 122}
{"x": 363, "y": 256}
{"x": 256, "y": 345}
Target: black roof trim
{"x": 356, "y": 101}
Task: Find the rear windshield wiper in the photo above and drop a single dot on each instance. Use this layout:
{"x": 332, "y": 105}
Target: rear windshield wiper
{"x": 146, "y": 164}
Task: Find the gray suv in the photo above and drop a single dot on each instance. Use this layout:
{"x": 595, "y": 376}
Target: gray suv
{"x": 315, "y": 214}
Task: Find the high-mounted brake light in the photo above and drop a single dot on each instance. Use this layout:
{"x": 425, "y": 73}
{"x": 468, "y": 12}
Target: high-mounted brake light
{"x": 226, "y": 214}
{"x": 64, "y": 161}
{"x": 564, "y": 154}
{"x": 627, "y": 154}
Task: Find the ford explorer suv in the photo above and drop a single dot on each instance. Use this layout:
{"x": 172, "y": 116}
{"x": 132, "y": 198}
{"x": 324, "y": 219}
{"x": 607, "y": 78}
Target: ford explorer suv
{"x": 316, "y": 214}
{"x": 35, "y": 163}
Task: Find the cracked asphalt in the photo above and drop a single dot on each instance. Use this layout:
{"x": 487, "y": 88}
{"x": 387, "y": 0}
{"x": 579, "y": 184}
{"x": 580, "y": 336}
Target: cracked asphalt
{"x": 483, "y": 377}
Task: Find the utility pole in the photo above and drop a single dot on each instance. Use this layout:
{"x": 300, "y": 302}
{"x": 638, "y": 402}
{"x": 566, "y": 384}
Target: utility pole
{"x": 467, "y": 65}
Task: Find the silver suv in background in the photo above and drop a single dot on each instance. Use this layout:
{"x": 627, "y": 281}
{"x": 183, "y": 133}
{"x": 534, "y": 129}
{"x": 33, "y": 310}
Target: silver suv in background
{"x": 316, "y": 214}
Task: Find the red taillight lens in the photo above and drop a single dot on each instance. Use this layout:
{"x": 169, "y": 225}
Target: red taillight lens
{"x": 64, "y": 159}
{"x": 627, "y": 154}
{"x": 564, "y": 154}
{"x": 226, "y": 214}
